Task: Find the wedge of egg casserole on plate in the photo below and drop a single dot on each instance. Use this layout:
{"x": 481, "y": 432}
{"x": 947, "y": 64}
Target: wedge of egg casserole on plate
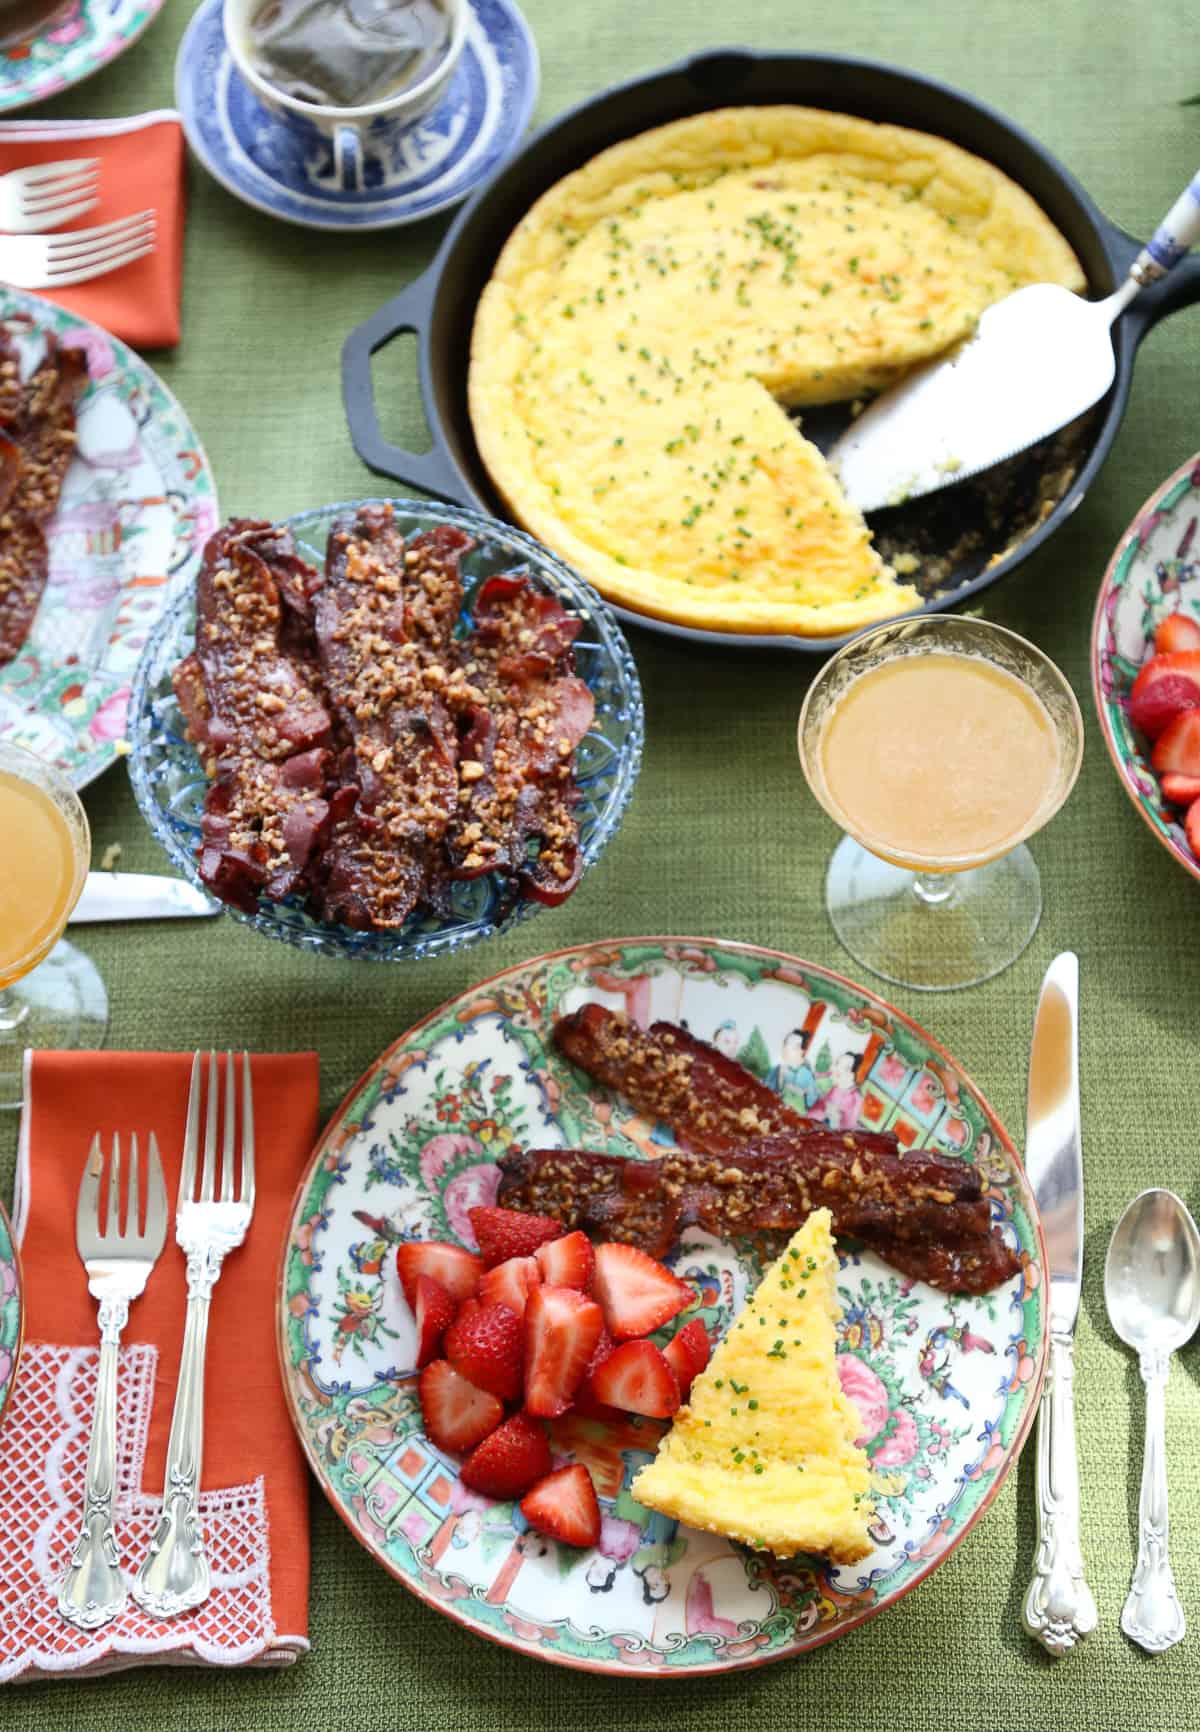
{"x": 657, "y": 313}
{"x": 765, "y": 1452}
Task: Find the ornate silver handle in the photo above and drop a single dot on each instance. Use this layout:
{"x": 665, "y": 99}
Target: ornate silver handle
{"x": 174, "y": 1577}
{"x": 1059, "y": 1610}
{"x": 1153, "y": 1616}
{"x": 93, "y": 1590}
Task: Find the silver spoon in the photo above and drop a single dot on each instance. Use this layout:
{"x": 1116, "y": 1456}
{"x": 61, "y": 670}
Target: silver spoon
{"x": 1152, "y": 1290}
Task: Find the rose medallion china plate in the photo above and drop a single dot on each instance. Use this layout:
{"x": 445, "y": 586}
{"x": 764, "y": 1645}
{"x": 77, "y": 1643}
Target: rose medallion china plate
{"x": 1154, "y": 572}
{"x": 476, "y": 125}
{"x": 77, "y": 39}
{"x": 946, "y": 1386}
{"x": 10, "y": 1311}
{"x": 137, "y": 506}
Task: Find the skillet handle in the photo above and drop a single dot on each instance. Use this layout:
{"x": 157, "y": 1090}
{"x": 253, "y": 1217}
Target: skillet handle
{"x": 432, "y": 471}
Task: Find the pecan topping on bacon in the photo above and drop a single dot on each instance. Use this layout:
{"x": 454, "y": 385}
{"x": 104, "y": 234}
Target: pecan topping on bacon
{"x": 711, "y": 1102}
{"x": 36, "y": 447}
{"x": 437, "y": 757}
{"x": 384, "y": 618}
{"x": 748, "y": 1163}
{"x": 517, "y": 769}
{"x": 257, "y": 720}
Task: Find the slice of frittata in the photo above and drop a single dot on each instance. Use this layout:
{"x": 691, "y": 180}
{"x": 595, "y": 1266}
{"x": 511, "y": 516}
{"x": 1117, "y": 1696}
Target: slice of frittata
{"x": 764, "y": 1452}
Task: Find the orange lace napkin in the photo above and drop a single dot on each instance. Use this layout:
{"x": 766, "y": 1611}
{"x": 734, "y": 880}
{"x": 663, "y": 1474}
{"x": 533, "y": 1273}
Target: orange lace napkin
{"x": 141, "y": 168}
{"x": 254, "y": 1492}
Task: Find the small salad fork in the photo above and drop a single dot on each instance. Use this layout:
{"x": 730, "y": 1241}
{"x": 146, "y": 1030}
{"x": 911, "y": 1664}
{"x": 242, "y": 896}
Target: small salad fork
{"x": 175, "y": 1576}
{"x": 118, "y": 1261}
{"x": 48, "y": 195}
{"x": 57, "y": 261}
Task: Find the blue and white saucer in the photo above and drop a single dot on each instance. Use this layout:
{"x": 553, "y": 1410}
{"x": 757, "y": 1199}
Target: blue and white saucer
{"x": 479, "y": 122}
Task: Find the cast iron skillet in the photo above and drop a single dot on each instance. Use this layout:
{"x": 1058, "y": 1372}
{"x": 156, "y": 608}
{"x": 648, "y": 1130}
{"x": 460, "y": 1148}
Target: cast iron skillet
{"x": 966, "y": 536}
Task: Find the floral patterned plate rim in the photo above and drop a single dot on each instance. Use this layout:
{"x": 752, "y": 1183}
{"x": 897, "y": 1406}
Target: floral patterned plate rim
{"x": 11, "y": 1313}
{"x": 84, "y": 38}
{"x": 1154, "y": 571}
{"x": 138, "y": 504}
{"x": 947, "y": 1387}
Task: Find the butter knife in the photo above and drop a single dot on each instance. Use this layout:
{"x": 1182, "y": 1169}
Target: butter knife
{"x": 140, "y": 896}
{"x": 1059, "y": 1610}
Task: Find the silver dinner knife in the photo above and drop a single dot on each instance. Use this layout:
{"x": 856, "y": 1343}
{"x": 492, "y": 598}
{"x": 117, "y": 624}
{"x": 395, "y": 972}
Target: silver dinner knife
{"x": 140, "y": 896}
{"x": 1059, "y": 1610}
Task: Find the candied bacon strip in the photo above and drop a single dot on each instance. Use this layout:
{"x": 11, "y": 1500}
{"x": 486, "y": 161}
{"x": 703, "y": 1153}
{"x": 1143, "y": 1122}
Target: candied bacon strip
{"x": 649, "y": 1203}
{"x": 517, "y": 765}
{"x": 970, "y": 1266}
{"x": 38, "y": 443}
{"x": 12, "y": 387}
{"x": 384, "y": 619}
{"x": 712, "y": 1103}
{"x": 257, "y": 720}
{"x": 24, "y": 568}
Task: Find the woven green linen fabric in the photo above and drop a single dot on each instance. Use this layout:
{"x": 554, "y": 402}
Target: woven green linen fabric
{"x": 723, "y": 840}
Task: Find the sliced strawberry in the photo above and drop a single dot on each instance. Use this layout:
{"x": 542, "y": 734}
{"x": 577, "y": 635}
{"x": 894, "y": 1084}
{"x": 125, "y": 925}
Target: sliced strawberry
{"x": 564, "y": 1506}
{"x": 434, "y": 1311}
{"x": 1180, "y": 790}
{"x": 586, "y": 1401}
{"x": 567, "y": 1262}
{"x": 1166, "y": 686}
{"x": 1177, "y": 748}
{"x": 687, "y": 1354}
{"x": 637, "y": 1294}
{"x": 509, "y": 1283}
{"x": 562, "y": 1328}
{"x": 504, "y": 1233}
{"x": 1192, "y": 825}
{"x": 507, "y": 1463}
{"x": 636, "y": 1377}
{"x": 456, "y": 1269}
{"x": 484, "y": 1345}
{"x": 457, "y": 1415}
{"x": 1179, "y": 631}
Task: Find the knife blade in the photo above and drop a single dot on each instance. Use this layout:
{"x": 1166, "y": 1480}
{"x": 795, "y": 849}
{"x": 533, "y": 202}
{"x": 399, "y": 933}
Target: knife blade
{"x": 140, "y": 896}
{"x": 1059, "y": 1609}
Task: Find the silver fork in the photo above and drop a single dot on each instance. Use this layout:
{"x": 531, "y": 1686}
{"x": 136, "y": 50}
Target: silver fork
{"x": 57, "y": 261}
{"x": 48, "y": 195}
{"x": 118, "y": 1263}
{"x": 175, "y": 1575}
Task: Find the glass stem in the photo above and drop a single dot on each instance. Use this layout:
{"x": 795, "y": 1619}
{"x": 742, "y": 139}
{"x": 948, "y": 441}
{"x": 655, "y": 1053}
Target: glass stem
{"x": 934, "y": 889}
{"x": 12, "y": 1012}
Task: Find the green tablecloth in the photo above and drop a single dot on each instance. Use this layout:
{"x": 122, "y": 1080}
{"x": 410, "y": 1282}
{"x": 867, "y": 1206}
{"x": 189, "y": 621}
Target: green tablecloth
{"x": 722, "y": 839}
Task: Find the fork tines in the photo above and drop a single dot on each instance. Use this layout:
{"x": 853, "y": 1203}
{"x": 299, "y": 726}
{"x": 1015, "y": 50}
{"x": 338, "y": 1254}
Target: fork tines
{"x": 126, "y": 1224}
{"x": 55, "y": 184}
{"x": 208, "y": 1190}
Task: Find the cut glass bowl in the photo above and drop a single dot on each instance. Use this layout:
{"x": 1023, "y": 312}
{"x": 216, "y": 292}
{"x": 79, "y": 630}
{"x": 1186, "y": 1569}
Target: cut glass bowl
{"x": 169, "y": 782}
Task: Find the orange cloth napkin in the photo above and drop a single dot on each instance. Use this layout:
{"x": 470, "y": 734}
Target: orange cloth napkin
{"x": 254, "y": 1473}
{"x": 141, "y": 168}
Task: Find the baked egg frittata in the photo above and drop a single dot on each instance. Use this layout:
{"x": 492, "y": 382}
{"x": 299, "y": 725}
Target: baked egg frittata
{"x": 656, "y": 313}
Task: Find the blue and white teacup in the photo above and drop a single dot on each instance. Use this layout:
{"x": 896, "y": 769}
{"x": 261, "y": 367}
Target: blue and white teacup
{"x": 376, "y": 129}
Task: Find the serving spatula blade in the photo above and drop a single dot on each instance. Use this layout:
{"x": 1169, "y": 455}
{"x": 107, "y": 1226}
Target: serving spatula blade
{"x": 1037, "y": 360}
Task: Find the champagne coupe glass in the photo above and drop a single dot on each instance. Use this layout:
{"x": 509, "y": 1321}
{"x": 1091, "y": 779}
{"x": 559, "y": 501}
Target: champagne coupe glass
{"x": 51, "y": 995}
{"x": 920, "y": 915}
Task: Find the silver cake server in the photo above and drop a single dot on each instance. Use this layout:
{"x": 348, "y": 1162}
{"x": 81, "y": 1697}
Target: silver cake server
{"x": 1039, "y": 358}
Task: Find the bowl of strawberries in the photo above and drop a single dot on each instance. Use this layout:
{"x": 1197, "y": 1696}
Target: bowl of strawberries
{"x": 1146, "y": 663}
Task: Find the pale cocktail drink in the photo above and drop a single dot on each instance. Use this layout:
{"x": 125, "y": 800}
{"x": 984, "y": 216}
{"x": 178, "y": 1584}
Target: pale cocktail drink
{"x": 939, "y": 744}
{"x": 38, "y": 874}
{"x": 938, "y": 758}
{"x": 50, "y": 993}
